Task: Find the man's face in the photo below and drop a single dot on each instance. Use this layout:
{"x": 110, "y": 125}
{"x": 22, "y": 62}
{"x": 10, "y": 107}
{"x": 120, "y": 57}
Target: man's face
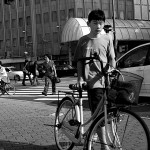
{"x": 96, "y": 26}
{"x": 46, "y": 58}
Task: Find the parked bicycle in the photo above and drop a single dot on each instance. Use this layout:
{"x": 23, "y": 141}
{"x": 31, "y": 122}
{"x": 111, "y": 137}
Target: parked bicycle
{"x": 7, "y": 87}
{"x": 124, "y": 129}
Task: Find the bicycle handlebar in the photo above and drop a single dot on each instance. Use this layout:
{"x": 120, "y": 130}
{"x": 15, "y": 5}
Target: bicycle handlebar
{"x": 112, "y": 73}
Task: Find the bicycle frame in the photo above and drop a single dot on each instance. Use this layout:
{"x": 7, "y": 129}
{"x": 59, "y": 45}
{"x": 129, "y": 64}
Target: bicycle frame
{"x": 79, "y": 109}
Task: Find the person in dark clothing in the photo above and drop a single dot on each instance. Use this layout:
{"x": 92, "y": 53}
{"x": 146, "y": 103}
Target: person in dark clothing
{"x": 26, "y": 72}
{"x": 50, "y": 74}
{"x": 35, "y": 73}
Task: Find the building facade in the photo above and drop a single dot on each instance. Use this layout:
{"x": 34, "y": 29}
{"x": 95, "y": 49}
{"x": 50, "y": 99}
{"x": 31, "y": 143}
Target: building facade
{"x": 35, "y": 26}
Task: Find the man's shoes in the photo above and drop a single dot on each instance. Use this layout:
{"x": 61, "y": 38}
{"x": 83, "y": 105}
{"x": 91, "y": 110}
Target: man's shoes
{"x": 23, "y": 84}
{"x": 43, "y": 93}
{"x": 53, "y": 93}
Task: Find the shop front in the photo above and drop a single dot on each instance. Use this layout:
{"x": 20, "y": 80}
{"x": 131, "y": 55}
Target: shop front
{"x": 129, "y": 33}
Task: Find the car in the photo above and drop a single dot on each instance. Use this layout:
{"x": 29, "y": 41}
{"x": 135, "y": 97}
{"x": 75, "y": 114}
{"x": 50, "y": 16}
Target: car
{"x": 137, "y": 61}
{"x": 15, "y": 74}
{"x": 66, "y": 70}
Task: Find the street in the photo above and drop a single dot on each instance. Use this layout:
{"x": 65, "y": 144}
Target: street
{"x": 27, "y": 118}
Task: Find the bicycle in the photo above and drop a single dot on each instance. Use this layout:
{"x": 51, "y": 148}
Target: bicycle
{"x": 7, "y": 87}
{"x": 120, "y": 125}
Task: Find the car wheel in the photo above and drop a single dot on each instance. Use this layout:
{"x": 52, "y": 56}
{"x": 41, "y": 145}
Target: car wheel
{"x": 17, "y": 78}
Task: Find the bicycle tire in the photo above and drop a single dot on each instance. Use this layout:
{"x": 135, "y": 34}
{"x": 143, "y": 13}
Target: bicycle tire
{"x": 65, "y": 111}
{"x": 130, "y": 132}
{"x": 10, "y": 89}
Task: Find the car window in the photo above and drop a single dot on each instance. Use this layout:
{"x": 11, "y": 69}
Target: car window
{"x": 135, "y": 58}
{"x": 7, "y": 70}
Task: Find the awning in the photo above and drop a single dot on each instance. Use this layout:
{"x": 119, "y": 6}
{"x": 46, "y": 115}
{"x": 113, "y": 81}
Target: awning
{"x": 125, "y": 29}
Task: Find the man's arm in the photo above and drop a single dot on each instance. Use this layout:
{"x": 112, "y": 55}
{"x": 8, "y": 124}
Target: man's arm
{"x": 111, "y": 56}
{"x": 77, "y": 56}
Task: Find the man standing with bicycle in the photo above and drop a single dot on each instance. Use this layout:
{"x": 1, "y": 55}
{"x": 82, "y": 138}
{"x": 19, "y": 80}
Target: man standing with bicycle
{"x": 100, "y": 43}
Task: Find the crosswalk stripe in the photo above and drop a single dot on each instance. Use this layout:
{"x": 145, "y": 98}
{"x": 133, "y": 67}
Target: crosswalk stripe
{"x": 35, "y": 92}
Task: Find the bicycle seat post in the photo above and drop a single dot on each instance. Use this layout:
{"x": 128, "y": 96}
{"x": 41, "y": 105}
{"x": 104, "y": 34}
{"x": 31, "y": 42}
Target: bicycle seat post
{"x": 81, "y": 108}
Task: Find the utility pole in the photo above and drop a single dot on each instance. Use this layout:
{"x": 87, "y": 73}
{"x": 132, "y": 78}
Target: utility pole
{"x": 114, "y": 28}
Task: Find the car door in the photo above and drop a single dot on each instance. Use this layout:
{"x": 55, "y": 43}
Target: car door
{"x": 134, "y": 62}
{"x": 147, "y": 72}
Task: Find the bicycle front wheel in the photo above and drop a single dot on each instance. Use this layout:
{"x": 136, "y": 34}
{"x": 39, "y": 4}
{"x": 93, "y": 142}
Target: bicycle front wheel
{"x": 66, "y": 113}
{"x": 10, "y": 89}
{"x": 125, "y": 131}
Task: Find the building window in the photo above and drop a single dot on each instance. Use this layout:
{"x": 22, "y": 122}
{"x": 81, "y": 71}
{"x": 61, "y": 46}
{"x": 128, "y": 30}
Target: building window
{"x": 39, "y": 38}
{"x": 45, "y": 2}
{"x": 46, "y": 17}
{"x": 1, "y": 24}
{"x": 71, "y": 13}
{"x": 7, "y": 24}
{"x": 14, "y": 42}
{"x": 47, "y": 36}
{"x": 27, "y": 2}
{"x": 29, "y": 38}
{"x": 130, "y": 10}
{"x": 13, "y": 23}
{"x": 62, "y": 15}
{"x": 38, "y": 18}
{"x": 37, "y": 2}
{"x": 55, "y": 37}
{"x": 20, "y": 22}
{"x": 121, "y": 9}
{"x": 106, "y": 7}
{"x": 20, "y": 3}
{"x": 28, "y": 20}
{"x": 1, "y": 44}
{"x": 8, "y": 43}
{"x": 80, "y": 12}
{"x": 22, "y": 41}
{"x": 54, "y": 16}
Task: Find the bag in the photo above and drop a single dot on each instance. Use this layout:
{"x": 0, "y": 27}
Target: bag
{"x": 57, "y": 80}
{"x": 25, "y": 70}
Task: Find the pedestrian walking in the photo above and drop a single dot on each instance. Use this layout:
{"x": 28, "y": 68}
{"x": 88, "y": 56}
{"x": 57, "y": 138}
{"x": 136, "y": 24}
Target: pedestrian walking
{"x": 50, "y": 74}
{"x": 35, "y": 73}
{"x": 26, "y": 72}
{"x": 100, "y": 43}
{"x": 3, "y": 77}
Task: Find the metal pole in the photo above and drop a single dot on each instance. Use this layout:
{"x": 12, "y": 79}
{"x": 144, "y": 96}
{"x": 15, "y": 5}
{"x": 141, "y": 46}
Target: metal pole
{"x": 114, "y": 28}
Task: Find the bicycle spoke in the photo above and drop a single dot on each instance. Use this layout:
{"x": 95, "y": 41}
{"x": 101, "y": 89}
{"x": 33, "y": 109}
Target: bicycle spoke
{"x": 125, "y": 131}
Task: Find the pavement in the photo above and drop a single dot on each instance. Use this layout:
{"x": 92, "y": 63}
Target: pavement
{"x": 29, "y": 125}
{"x": 26, "y": 125}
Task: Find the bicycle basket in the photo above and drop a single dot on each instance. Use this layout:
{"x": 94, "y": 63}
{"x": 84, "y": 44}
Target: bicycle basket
{"x": 125, "y": 90}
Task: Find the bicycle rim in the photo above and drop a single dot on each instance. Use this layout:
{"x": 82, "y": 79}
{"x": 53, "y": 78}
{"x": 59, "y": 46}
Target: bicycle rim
{"x": 10, "y": 89}
{"x": 65, "y": 112}
{"x": 126, "y": 130}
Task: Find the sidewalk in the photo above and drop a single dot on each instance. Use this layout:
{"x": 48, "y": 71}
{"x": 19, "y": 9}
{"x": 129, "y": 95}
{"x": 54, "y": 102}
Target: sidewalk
{"x": 28, "y": 125}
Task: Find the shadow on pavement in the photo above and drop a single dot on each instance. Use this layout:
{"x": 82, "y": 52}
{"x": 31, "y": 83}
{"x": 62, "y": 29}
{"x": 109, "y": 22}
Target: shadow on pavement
{"x": 85, "y": 104}
{"x": 9, "y": 145}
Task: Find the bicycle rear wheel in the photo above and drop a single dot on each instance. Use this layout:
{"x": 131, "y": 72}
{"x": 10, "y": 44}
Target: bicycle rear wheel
{"x": 66, "y": 114}
{"x": 10, "y": 89}
{"x": 126, "y": 130}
